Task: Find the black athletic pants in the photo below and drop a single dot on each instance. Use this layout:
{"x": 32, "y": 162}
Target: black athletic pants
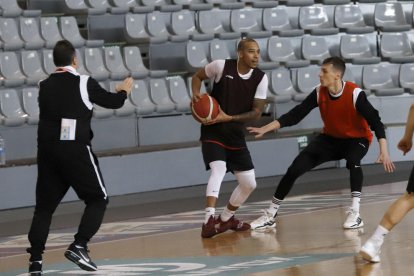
{"x": 60, "y": 166}
{"x": 321, "y": 149}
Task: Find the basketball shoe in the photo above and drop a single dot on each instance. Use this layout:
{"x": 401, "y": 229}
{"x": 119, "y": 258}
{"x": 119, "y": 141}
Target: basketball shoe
{"x": 79, "y": 255}
{"x": 35, "y": 268}
{"x": 371, "y": 250}
{"x": 263, "y": 222}
{"x": 232, "y": 224}
{"x": 211, "y": 228}
{"x": 353, "y": 220}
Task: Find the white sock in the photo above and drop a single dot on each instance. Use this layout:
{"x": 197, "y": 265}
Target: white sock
{"x": 226, "y": 214}
{"x": 380, "y": 233}
{"x": 210, "y": 211}
{"x": 356, "y": 199}
{"x": 274, "y": 206}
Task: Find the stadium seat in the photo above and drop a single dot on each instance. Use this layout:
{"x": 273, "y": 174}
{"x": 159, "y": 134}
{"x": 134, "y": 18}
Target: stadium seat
{"x": 11, "y": 108}
{"x": 247, "y": 21}
{"x": 220, "y": 26}
{"x": 315, "y": 48}
{"x": 94, "y": 64}
{"x": 50, "y": 31}
{"x": 380, "y": 79}
{"x": 157, "y": 25}
{"x": 183, "y": 25}
{"x": 140, "y": 98}
{"x": 135, "y": 28}
{"x": 30, "y": 33}
{"x": 406, "y": 77}
{"x": 281, "y": 84}
{"x": 196, "y": 55}
{"x": 297, "y": 2}
{"x": 179, "y": 93}
{"x": 115, "y": 63}
{"x": 47, "y": 61}
{"x": 9, "y": 34}
{"x": 81, "y": 61}
{"x": 307, "y": 78}
{"x": 389, "y": 17}
{"x": 317, "y": 20}
{"x": 333, "y": 2}
{"x": 128, "y": 3}
{"x": 32, "y": 67}
{"x": 396, "y": 47}
{"x": 277, "y": 21}
{"x": 281, "y": 49}
{"x": 218, "y": 50}
{"x": 159, "y": 95}
{"x": 10, "y": 69}
{"x": 70, "y": 31}
{"x": 134, "y": 63}
{"x": 30, "y": 104}
{"x": 349, "y": 18}
{"x": 357, "y": 49}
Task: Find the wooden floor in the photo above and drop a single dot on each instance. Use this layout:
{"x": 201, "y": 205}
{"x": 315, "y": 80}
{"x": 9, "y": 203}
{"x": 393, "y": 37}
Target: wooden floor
{"x": 309, "y": 240}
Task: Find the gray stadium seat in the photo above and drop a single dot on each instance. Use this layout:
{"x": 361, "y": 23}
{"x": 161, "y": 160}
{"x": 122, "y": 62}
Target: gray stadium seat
{"x": 196, "y": 55}
{"x": 159, "y": 95}
{"x": 179, "y": 93}
{"x": 115, "y": 63}
{"x": 389, "y": 17}
{"x": 134, "y": 63}
{"x": 218, "y": 50}
{"x": 140, "y": 98}
{"x": 396, "y": 47}
{"x": 315, "y": 48}
{"x": 317, "y": 20}
{"x": 297, "y": 2}
{"x": 281, "y": 84}
{"x": 356, "y": 48}
{"x": 11, "y": 108}
{"x": 135, "y": 28}
{"x": 183, "y": 24}
{"x": 247, "y": 21}
{"x": 406, "y": 77}
{"x": 70, "y": 31}
{"x": 307, "y": 78}
{"x": 381, "y": 80}
{"x": 157, "y": 25}
{"x": 9, "y": 34}
{"x": 349, "y": 18}
{"x": 126, "y": 3}
{"x": 81, "y": 60}
{"x": 32, "y": 67}
{"x": 94, "y": 64}
{"x": 10, "y": 69}
{"x": 281, "y": 49}
{"x": 10, "y": 8}
{"x": 128, "y": 108}
{"x": 30, "y": 104}
{"x": 277, "y": 20}
{"x": 50, "y": 31}
{"x": 30, "y": 33}
{"x": 47, "y": 61}
{"x": 220, "y": 26}
{"x": 334, "y": 2}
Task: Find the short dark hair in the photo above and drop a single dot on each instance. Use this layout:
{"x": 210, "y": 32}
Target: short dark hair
{"x": 337, "y": 63}
{"x": 63, "y": 53}
{"x": 243, "y": 42}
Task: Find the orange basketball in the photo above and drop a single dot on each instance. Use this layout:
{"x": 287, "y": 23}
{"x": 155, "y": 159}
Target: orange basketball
{"x": 207, "y": 108}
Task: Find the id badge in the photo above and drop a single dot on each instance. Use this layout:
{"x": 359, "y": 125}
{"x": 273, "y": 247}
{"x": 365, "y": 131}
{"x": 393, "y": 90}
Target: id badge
{"x": 68, "y": 129}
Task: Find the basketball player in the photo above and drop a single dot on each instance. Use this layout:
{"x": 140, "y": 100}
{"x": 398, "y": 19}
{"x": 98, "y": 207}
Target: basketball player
{"x": 347, "y": 116}
{"x": 396, "y": 212}
{"x": 240, "y": 89}
{"x": 65, "y": 158}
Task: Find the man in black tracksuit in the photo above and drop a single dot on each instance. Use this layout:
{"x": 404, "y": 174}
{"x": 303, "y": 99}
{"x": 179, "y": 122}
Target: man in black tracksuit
{"x": 65, "y": 158}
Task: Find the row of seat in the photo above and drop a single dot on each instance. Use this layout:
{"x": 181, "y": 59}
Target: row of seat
{"x": 260, "y": 19}
{"x": 31, "y": 66}
{"x": 37, "y": 32}
{"x": 383, "y": 79}
{"x": 151, "y": 96}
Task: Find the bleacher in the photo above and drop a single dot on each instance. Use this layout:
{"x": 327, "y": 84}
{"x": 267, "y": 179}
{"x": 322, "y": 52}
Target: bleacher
{"x": 161, "y": 43}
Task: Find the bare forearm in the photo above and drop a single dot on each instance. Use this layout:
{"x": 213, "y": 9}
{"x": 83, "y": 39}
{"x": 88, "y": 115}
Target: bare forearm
{"x": 409, "y": 128}
{"x": 247, "y": 116}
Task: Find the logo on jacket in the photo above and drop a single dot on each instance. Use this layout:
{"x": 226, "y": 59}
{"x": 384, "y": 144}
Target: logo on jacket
{"x": 228, "y": 76}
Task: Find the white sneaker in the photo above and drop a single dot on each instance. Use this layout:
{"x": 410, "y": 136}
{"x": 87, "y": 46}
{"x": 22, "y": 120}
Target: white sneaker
{"x": 264, "y": 222}
{"x": 371, "y": 250}
{"x": 353, "y": 220}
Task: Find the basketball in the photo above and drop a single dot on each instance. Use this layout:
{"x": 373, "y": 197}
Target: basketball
{"x": 207, "y": 108}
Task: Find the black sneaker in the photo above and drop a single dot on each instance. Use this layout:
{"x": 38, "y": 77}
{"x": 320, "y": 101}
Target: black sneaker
{"x": 79, "y": 255}
{"x": 35, "y": 268}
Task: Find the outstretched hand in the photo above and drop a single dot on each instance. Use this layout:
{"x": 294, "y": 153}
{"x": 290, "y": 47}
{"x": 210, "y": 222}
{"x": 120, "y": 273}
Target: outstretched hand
{"x": 386, "y": 162}
{"x": 258, "y": 131}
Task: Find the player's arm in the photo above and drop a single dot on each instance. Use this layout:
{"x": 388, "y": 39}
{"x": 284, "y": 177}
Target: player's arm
{"x": 292, "y": 117}
{"x": 196, "y": 81}
{"x": 406, "y": 141}
{"x": 371, "y": 115}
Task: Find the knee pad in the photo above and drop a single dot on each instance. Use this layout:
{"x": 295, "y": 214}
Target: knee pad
{"x": 246, "y": 179}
